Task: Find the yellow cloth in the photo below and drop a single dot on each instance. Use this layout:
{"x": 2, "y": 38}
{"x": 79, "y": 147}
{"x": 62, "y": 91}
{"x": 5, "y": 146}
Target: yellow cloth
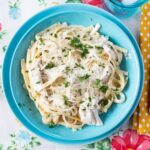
{"x": 141, "y": 117}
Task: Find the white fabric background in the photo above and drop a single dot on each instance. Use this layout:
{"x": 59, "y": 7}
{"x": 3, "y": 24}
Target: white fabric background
{"x": 8, "y": 123}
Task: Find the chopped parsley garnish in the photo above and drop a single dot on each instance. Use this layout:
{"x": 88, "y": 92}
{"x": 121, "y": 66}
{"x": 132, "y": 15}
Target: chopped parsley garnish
{"x": 103, "y": 88}
{"x": 90, "y": 99}
{"x": 84, "y": 52}
{"x": 115, "y": 90}
{"x": 98, "y": 85}
{"x": 65, "y": 99}
{"x": 81, "y": 102}
{"x": 88, "y": 104}
{"x": 89, "y": 46}
{"x": 91, "y": 38}
{"x": 46, "y": 51}
{"x": 85, "y": 77}
{"x": 37, "y": 82}
{"x": 51, "y": 125}
{"x": 19, "y": 104}
{"x": 41, "y": 41}
{"x": 30, "y": 109}
{"x": 50, "y": 65}
{"x": 66, "y": 84}
{"x": 104, "y": 102}
{"x": 55, "y": 35}
{"x": 65, "y": 52}
{"x": 68, "y": 69}
{"x": 79, "y": 65}
{"x": 100, "y": 49}
{"x": 76, "y": 43}
{"x": 79, "y": 91}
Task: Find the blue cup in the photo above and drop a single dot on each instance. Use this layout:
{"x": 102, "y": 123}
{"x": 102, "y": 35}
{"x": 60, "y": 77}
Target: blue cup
{"x": 122, "y": 10}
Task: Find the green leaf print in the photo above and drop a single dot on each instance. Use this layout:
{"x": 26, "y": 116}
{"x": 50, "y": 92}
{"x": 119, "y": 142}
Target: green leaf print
{"x": 1, "y": 147}
{"x": 73, "y": 1}
{"x": 101, "y": 145}
{"x": 42, "y": 3}
{"x": 2, "y": 34}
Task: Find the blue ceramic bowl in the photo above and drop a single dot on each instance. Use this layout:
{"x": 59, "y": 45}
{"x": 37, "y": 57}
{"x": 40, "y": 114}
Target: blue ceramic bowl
{"x": 25, "y": 109}
{"x": 121, "y": 10}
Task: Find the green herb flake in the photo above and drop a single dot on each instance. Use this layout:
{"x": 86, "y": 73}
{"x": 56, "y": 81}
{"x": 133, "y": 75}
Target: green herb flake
{"x": 85, "y": 77}
{"x": 63, "y": 50}
{"x": 99, "y": 48}
{"x": 76, "y": 43}
{"x": 90, "y": 99}
{"x": 85, "y": 52}
{"x": 23, "y": 104}
{"x": 20, "y": 105}
{"x": 66, "y": 84}
{"x": 38, "y": 82}
{"x": 50, "y": 65}
{"x": 104, "y": 102}
{"x": 65, "y": 98}
{"x": 103, "y": 88}
{"x": 55, "y": 35}
{"x": 51, "y": 125}
{"x": 41, "y": 41}
{"x": 79, "y": 65}
{"x": 68, "y": 69}
{"x": 79, "y": 91}
{"x": 46, "y": 51}
{"x": 97, "y": 83}
{"x": 30, "y": 109}
{"x": 89, "y": 46}
{"x": 91, "y": 38}
{"x": 81, "y": 102}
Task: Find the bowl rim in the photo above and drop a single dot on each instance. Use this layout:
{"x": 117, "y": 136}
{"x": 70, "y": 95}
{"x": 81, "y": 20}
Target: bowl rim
{"x": 9, "y": 95}
{"x": 134, "y": 5}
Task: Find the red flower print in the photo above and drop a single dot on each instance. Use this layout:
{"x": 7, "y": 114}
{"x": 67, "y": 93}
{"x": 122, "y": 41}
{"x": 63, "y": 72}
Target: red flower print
{"x": 0, "y": 27}
{"x": 97, "y": 3}
{"x": 131, "y": 140}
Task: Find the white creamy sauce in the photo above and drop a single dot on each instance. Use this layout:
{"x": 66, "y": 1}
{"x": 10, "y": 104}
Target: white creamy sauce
{"x": 70, "y": 74}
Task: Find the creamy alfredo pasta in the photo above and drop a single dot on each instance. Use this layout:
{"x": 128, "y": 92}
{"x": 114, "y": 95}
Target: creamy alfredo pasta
{"x": 72, "y": 73}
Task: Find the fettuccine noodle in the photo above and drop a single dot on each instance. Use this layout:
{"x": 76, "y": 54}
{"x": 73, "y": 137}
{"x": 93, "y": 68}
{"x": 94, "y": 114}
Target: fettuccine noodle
{"x": 72, "y": 73}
